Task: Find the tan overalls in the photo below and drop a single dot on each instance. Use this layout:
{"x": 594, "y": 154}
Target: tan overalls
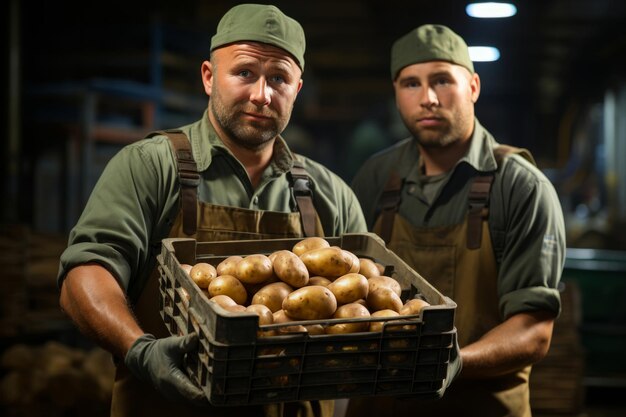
{"x": 132, "y": 397}
{"x": 460, "y": 264}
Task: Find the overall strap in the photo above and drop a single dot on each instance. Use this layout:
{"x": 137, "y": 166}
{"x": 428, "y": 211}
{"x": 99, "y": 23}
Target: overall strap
{"x": 478, "y": 199}
{"x": 188, "y": 177}
{"x": 301, "y": 185}
{"x": 389, "y": 204}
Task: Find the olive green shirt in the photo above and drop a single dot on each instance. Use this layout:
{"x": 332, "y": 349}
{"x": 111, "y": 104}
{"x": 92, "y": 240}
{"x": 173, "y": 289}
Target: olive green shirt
{"x": 525, "y": 215}
{"x": 136, "y": 200}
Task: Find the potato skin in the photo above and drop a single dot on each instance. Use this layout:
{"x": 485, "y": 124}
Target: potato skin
{"x": 264, "y": 313}
{"x": 202, "y": 274}
{"x": 327, "y": 262}
{"x": 272, "y": 295}
{"x": 356, "y": 264}
{"x": 384, "y": 281}
{"x": 310, "y": 303}
{"x": 223, "y": 301}
{"x": 230, "y": 286}
{"x": 349, "y": 288}
{"x": 349, "y": 311}
{"x": 289, "y": 268}
{"x": 383, "y": 298}
{"x": 377, "y": 326}
{"x": 228, "y": 266}
{"x": 316, "y": 280}
{"x": 368, "y": 268}
{"x": 413, "y": 306}
{"x": 254, "y": 269}
{"x": 309, "y": 244}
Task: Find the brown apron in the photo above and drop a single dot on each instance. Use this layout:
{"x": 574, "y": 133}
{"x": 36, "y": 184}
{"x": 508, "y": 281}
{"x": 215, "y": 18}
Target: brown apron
{"x": 462, "y": 266}
{"x": 132, "y": 397}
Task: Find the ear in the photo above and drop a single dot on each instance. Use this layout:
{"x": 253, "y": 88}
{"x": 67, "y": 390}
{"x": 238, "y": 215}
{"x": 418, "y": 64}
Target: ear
{"x": 475, "y": 87}
{"x": 206, "y": 71}
{"x": 299, "y": 85}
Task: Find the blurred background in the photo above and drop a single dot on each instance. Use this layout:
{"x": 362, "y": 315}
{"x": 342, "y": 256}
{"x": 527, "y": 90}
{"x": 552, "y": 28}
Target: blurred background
{"x": 84, "y": 79}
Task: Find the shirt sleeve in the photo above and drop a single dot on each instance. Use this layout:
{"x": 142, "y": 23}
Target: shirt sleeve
{"x": 125, "y": 214}
{"x": 533, "y": 242}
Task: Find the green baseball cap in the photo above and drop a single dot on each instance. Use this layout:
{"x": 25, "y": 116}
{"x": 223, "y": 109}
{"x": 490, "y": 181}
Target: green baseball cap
{"x": 429, "y": 43}
{"x": 261, "y": 23}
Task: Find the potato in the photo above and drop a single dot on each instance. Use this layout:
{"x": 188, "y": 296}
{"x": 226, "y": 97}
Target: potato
{"x": 272, "y": 255}
{"x": 272, "y": 295}
{"x": 356, "y": 264}
{"x": 223, "y": 301}
{"x": 296, "y": 328}
{"x": 254, "y": 269}
{"x": 324, "y": 282}
{"x": 265, "y": 317}
{"x": 315, "y": 329}
{"x": 264, "y": 313}
{"x": 228, "y": 266}
{"x": 230, "y": 286}
{"x": 413, "y": 306}
{"x": 368, "y": 268}
{"x": 383, "y": 298}
{"x": 377, "y": 326}
{"x": 327, "y": 262}
{"x": 202, "y": 273}
{"x": 345, "y": 311}
{"x": 186, "y": 268}
{"x": 384, "y": 281}
{"x": 309, "y": 244}
{"x": 289, "y": 268}
{"x": 281, "y": 317}
{"x": 310, "y": 303}
{"x": 237, "y": 308}
{"x": 349, "y": 288}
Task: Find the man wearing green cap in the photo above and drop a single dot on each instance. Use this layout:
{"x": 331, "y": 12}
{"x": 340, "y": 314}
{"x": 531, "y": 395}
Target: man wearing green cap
{"x": 228, "y": 176}
{"x": 475, "y": 218}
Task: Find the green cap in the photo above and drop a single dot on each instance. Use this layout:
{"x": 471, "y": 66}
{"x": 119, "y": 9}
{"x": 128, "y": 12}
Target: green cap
{"x": 429, "y": 43}
{"x": 261, "y": 23}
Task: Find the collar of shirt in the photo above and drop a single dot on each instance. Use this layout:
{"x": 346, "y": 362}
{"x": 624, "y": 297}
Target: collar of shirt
{"x": 479, "y": 155}
{"x": 206, "y": 143}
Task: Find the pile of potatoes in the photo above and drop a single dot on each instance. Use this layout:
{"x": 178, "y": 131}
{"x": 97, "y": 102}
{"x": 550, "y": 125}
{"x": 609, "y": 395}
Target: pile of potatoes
{"x": 312, "y": 281}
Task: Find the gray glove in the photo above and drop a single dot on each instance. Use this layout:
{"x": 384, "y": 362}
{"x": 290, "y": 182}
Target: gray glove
{"x": 455, "y": 363}
{"x": 160, "y": 361}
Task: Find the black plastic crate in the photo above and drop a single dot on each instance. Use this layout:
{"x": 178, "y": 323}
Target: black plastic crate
{"x": 235, "y": 367}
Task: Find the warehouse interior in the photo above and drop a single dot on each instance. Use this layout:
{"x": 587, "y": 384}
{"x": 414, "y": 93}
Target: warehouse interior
{"x": 83, "y": 79}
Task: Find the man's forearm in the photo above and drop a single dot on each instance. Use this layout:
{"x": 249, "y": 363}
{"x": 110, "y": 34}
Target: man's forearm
{"x": 93, "y": 299}
{"x": 521, "y": 340}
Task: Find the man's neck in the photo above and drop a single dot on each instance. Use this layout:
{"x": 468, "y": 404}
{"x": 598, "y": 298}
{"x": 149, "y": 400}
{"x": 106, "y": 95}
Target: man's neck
{"x": 254, "y": 160}
{"x": 440, "y": 160}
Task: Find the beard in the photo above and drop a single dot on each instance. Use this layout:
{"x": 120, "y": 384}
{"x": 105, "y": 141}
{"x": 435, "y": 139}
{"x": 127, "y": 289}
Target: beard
{"x": 438, "y": 137}
{"x": 250, "y": 135}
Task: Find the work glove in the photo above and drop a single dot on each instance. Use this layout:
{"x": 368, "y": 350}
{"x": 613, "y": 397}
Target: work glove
{"x": 160, "y": 363}
{"x": 455, "y": 364}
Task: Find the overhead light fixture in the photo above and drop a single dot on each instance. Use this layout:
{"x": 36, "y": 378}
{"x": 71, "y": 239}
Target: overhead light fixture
{"x": 490, "y": 10}
{"x": 484, "y": 53}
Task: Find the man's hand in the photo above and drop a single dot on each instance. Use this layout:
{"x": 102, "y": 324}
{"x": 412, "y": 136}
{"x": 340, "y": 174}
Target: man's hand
{"x": 160, "y": 361}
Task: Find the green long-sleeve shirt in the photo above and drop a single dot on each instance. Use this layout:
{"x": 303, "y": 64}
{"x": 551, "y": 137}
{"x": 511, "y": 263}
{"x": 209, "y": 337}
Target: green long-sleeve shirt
{"x": 136, "y": 200}
{"x": 525, "y": 216}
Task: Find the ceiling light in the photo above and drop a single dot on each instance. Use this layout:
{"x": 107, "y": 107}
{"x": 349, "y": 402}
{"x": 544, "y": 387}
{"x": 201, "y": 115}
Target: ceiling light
{"x": 490, "y": 9}
{"x": 484, "y": 53}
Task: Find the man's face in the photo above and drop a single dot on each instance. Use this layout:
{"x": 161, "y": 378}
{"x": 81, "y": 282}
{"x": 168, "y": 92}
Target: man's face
{"x": 253, "y": 87}
{"x": 436, "y": 102}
